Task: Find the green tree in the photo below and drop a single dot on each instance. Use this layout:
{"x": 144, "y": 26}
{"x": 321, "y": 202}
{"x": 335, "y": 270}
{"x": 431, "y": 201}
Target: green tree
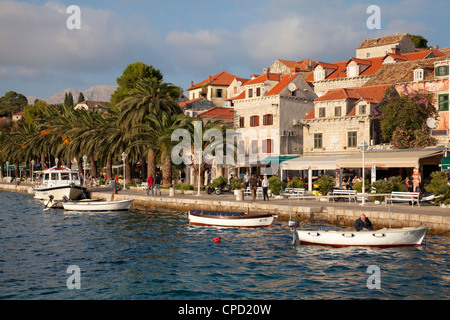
{"x": 157, "y": 131}
{"x": 131, "y": 75}
{"x": 149, "y": 95}
{"x": 80, "y": 97}
{"x": 68, "y": 99}
{"x": 11, "y": 103}
{"x": 419, "y": 41}
{"x": 403, "y": 119}
{"x": 34, "y": 112}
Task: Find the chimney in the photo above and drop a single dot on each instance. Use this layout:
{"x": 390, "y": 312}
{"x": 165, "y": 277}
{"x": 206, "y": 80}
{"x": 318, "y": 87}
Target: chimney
{"x": 192, "y": 83}
{"x": 210, "y": 79}
{"x": 436, "y": 47}
{"x": 266, "y": 70}
{"x": 395, "y": 50}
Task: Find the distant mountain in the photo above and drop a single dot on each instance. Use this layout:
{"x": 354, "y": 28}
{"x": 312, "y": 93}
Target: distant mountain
{"x": 96, "y": 93}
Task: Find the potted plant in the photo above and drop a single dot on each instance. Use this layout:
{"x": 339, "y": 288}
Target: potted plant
{"x": 238, "y": 185}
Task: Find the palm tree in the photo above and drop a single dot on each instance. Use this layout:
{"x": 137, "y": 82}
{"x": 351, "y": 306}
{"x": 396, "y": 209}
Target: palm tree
{"x": 210, "y": 144}
{"x": 149, "y": 95}
{"x": 157, "y": 131}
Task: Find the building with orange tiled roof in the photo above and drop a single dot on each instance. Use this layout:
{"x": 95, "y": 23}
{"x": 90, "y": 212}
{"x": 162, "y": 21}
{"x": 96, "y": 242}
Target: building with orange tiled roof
{"x": 356, "y": 72}
{"x": 288, "y": 66}
{"x": 91, "y": 105}
{"x": 267, "y": 113}
{"x": 379, "y": 47}
{"x": 341, "y": 119}
{"x": 213, "y": 88}
{"x": 17, "y": 116}
{"x": 218, "y": 113}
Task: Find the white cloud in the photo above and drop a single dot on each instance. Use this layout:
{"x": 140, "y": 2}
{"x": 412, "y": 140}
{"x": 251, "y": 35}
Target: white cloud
{"x": 36, "y": 37}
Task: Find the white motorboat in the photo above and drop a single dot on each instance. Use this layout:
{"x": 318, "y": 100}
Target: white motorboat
{"x": 397, "y": 237}
{"x": 230, "y": 219}
{"x": 58, "y": 182}
{"x": 97, "y": 205}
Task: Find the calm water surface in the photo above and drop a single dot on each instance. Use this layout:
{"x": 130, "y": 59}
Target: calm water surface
{"x": 157, "y": 255}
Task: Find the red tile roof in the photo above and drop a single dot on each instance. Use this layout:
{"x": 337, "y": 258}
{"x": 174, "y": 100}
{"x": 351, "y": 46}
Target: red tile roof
{"x": 264, "y": 77}
{"x": 285, "y": 80}
{"x": 297, "y": 66}
{"x": 373, "y": 63}
{"x": 360, "y": 61}
{"x": 368, "y": 43}
{"x": 217, "y": 113}
{"x": 220, "y": 79}
{"x": 369, "y": 93}
{"x": 310, "y": 115}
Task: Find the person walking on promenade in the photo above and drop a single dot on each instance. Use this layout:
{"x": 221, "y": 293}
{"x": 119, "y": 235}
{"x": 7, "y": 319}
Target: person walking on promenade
{"x": 265, "y": 186}
{"x": 150, "y": 185}
{"x": 157, "y": 184}
{"x": 253, "y": 186}
{"x": 363, "y": 223}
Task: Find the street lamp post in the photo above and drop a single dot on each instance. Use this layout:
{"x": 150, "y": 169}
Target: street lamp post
{"x": 199, "y": 155}
{"x": 124, "y": 157}
{"x": 84, "y": 169}
{"x": 7, "y": 169}
{"x": 363, "y": 145}
{"x": 32, "y": 167}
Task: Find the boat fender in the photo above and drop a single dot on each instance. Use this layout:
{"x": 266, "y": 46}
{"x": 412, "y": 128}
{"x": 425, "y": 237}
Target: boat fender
{"x": 348, "y": 234}
{"x": 314, "y": 234}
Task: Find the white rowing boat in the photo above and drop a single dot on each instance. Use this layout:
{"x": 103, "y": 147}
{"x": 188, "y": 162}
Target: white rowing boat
{"x": 230, "y": 219}
{"x": 97, "y": 205}
{"x": 411, "y": 236}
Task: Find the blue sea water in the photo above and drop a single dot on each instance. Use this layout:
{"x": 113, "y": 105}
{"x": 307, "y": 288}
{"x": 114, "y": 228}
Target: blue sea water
{"x": 155, "y": 254}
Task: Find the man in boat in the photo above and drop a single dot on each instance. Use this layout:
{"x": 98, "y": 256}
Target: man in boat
{"x": 363, "y": 223}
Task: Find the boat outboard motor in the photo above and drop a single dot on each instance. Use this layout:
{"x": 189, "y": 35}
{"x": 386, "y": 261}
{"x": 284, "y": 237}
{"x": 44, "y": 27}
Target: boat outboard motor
{"x": 293, "y": 224}
{"x": 50, "y": 197}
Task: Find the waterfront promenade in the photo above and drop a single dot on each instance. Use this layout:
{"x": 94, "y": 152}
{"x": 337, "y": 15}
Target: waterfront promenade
{"x": 337, "y": 213}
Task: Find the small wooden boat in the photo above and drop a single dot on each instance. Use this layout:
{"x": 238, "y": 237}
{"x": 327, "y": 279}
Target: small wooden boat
{"x": 398, "y": 237}
{"x": 230, "y": 219}
{"x": 97, "y": 205}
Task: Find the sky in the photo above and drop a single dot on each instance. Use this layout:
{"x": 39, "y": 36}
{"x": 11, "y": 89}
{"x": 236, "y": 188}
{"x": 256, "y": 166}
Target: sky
{"x": 190, "y": 40}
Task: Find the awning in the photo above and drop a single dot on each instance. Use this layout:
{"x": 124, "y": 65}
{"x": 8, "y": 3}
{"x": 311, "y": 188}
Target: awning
{"x": 445, "y": 163}
{"x": 276, "y": 159}
{"x": 313, "y": 163}
{"x": 387, "y": 158}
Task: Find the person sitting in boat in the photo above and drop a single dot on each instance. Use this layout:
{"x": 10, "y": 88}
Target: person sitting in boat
{"x": 363, "y": 223}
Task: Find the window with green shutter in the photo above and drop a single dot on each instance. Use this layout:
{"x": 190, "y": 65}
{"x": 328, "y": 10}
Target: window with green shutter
{"x": 352, "y": 139}
{"x": 317, "y": 141}
{"x": 441, "y": 71}
{"x": 443, "y": 102}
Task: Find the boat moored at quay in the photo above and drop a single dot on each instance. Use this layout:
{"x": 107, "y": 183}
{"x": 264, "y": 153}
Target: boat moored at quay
{"x": 58, "y": 182}
{"x": 230, "y": 219}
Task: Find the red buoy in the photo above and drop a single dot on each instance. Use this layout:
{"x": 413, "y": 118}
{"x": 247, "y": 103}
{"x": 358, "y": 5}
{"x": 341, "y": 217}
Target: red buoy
{"x": 216, "y": 239}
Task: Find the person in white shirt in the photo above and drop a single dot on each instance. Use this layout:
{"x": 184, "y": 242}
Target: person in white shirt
{"x": 265, "y": 186}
